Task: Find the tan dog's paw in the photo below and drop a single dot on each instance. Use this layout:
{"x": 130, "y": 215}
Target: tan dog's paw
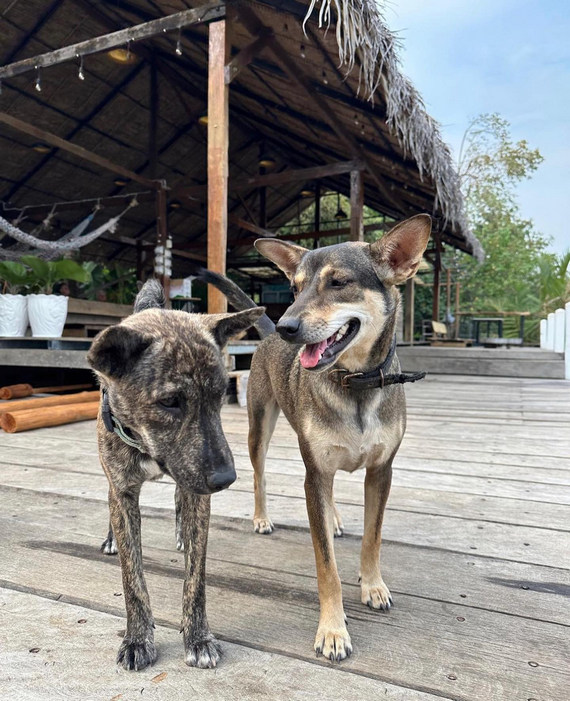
{"x": 333, "y": 643}
{"x": 376, "y": 596}
{"x": 337, "y": 525}
{"x": 263, "y": 526}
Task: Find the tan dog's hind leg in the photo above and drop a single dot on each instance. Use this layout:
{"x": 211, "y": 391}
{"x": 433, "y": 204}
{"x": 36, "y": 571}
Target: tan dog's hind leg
{"x": 374, "y": 592}
{"x": 263, "y": 416}
{"x": 338, "y": 526}
{"x": 332, "y": 639}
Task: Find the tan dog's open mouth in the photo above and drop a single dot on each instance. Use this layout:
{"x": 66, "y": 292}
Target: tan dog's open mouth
{"x": 317, "y": 355}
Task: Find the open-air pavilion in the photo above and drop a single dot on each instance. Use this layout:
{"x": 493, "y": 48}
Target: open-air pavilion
{"x": 210, "y": 125}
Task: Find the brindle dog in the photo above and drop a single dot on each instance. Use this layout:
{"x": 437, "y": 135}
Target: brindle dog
{"x": 333, "y": 371}
{"x": 163, "y": 382}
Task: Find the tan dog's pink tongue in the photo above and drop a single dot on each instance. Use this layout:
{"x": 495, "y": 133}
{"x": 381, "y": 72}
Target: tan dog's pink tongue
{"x": 311, "y": 354}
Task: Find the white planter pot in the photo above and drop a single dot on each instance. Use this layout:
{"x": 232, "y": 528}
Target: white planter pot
{"x": 13, "y": 315}
{"x": 47, "y": 314}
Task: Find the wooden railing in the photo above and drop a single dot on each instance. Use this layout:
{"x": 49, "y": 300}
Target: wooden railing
{"x": 555, "y": 334}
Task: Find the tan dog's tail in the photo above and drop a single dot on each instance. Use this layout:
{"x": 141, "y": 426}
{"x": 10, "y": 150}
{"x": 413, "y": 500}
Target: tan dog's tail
{"x": 237, "y": 298}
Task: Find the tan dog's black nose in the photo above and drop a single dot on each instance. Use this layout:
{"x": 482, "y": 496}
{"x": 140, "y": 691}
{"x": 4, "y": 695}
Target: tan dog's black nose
{"x": 288, "y": 327}
{"x": 222, "y": 479}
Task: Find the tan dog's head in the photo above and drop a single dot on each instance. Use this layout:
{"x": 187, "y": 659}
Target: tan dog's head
{"x": 344, "y": 294}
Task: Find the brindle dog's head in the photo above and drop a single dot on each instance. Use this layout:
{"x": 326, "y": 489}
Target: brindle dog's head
{"x": 345, "y": 294}
{"x": 165, "y": 377}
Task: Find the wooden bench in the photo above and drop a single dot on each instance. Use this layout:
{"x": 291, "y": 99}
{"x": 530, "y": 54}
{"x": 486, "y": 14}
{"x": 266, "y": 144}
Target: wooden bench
{"x": 439, "y": 337}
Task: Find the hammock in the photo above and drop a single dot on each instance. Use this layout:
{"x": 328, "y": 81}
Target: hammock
{"x": 73, "y": 240}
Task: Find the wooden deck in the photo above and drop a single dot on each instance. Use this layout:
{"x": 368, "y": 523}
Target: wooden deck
{"x": 476, "y": 553}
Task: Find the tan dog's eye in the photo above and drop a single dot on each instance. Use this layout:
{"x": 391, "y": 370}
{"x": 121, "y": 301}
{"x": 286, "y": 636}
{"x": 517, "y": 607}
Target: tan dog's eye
{"x": 338, "y": 283}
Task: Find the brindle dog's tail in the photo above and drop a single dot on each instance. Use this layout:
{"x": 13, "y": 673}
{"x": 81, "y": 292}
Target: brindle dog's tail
{"x": 237, "y": 298}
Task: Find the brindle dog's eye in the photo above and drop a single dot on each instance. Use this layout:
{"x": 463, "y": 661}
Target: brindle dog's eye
{"x": 339, "y": 283}
{"x": 171, "y": 404}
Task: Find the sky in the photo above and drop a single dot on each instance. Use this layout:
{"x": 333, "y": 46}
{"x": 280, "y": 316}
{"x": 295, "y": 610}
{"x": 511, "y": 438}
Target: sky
{"x": 506, "y": 56}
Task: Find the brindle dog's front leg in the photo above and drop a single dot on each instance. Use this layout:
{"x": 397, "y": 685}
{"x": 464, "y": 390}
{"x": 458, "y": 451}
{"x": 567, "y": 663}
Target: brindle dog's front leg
{"x": 137, "y": 649}
{"x": 374, "y": 593}
{"x": 202, "y": 649}
{"x": 332, "y": 639}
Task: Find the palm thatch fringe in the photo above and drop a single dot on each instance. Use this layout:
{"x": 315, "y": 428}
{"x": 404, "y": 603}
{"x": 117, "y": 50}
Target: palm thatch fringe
{"x": 364, "y": 39}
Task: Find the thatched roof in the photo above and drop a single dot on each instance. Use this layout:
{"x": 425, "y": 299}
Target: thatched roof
{"x": 109, "y": 113}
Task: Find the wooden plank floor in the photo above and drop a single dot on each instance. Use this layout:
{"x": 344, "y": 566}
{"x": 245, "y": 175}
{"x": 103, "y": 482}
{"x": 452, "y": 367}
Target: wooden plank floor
{"x": 476, "y": 553}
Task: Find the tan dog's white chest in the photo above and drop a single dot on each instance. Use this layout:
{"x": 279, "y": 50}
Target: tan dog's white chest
{"x": 351, "y": 447}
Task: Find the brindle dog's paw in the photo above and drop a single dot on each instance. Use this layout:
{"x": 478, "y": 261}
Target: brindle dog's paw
{"x": 263, "y": 526}
{"x": 136, "y": 655}
{"x": 333, "y": 643}
{"x": 204, "y": 654}
{"x": 109, "y": 546}
{"x": 376, "y": 596}
{"x": 179, "y": 542}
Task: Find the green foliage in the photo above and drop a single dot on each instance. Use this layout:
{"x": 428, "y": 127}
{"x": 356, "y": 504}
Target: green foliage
{"x": 517, "y": 273}
{"x": 13, "y": 276}
{"x": 113, "y": 283}
{"x": 45, "y": 274}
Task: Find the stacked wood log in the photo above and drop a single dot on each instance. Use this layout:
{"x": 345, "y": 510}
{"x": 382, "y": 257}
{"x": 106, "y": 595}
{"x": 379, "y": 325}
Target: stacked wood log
{"x": 25, "y": 390}
{"x": 26, "y": 414}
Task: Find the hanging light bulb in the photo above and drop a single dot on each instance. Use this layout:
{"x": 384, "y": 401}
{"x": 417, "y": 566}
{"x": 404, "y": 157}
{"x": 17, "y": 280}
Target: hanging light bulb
{"x": 178, "y": 49}
{"x": 340, "y": 213}
{"x": 38, "y": 85}
{"x": 81, "y": 74}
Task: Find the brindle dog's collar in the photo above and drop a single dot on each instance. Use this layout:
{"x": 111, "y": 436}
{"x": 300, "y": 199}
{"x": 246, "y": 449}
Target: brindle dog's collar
{"x": 377, "y": 378}
{"x": 113, "y": 424}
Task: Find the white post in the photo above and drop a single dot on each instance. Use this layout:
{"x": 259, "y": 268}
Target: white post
{"x": 543, "y": 333}
{"x": 567, "y": 345}
{"x": 559, "y": 335}
{"x": 550, "y": 331}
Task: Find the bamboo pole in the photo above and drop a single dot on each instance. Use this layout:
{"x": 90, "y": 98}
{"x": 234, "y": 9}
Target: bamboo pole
{"x": 25, "y": 404}
{"x": 17, "y": 421}
{"x": 25, "y": 390}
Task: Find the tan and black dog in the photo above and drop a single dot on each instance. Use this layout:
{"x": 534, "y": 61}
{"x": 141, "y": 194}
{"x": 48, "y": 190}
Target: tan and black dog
{"x": 163, "y": 382}
{"x": 333, "y": 371}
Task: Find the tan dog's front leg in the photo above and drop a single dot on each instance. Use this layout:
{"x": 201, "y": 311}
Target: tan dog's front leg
{"x": 375, "y": 593}
{"x": 332, "y": 639}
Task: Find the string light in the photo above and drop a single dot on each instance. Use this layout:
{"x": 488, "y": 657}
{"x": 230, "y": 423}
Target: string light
{"x": 81, "y": 74}
{"x": 38, "y": 84}
{"x": 178, "y": 49}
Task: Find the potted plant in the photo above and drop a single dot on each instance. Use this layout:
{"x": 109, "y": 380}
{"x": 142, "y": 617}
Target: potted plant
{"x": 48, "y": 311}
{"x": 13, "y": 306}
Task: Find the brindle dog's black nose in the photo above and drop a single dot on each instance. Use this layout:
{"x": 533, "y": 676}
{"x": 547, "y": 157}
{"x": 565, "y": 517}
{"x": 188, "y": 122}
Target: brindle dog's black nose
{"x": 220, "y": 480}
{"x": 288, "y": 327}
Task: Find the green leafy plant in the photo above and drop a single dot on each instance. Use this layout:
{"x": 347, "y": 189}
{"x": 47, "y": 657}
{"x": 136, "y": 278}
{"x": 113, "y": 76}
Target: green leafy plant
{"x": 45, "y": 274}
{"x": 13, "y": 277}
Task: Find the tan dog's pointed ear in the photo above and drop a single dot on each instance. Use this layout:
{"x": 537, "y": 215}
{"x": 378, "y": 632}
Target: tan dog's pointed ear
{"x": 285, "y": 255}
{"x": 398, "y": 254}
{"x": 224, "y": 326}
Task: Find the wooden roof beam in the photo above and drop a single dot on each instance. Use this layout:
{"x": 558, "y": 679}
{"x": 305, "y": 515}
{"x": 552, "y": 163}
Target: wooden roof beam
{"x": 106, "y": 42}
{"x": 246, "y": 56}
{"x": 79, "y": 151}
{"x": 255, "y": 27}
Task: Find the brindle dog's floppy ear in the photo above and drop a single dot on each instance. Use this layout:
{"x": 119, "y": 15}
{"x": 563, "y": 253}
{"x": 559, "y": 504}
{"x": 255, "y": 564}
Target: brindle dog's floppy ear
{"x": 224, "y": 326}
{"x": 151, "y": 296}
{"x": 116, "y": 350}
{"x": 398, "y": 254}
{"x": 285, "y": 255}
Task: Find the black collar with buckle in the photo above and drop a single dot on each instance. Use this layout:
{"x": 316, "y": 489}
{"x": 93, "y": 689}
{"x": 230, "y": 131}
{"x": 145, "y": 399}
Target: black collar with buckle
{"x": 377, "y": 378}
{"x": 113, "y": 424}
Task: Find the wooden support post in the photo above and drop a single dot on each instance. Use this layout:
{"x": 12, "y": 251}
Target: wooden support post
{"x": 448, "y": 290}
{"x": 317, "y": 224}
{"x": 409, "y": 311}
{"x": 356, "y": 206}
{"x": 457, "y": 318}
{"x": 436, "y": 283}
{"x": 153, "y": 120}
{"x": 218, "y": 143}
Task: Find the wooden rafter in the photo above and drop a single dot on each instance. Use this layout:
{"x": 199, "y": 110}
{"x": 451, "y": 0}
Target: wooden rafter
{"x": 78, "y": 151}
{"x": 106, "y": 42}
